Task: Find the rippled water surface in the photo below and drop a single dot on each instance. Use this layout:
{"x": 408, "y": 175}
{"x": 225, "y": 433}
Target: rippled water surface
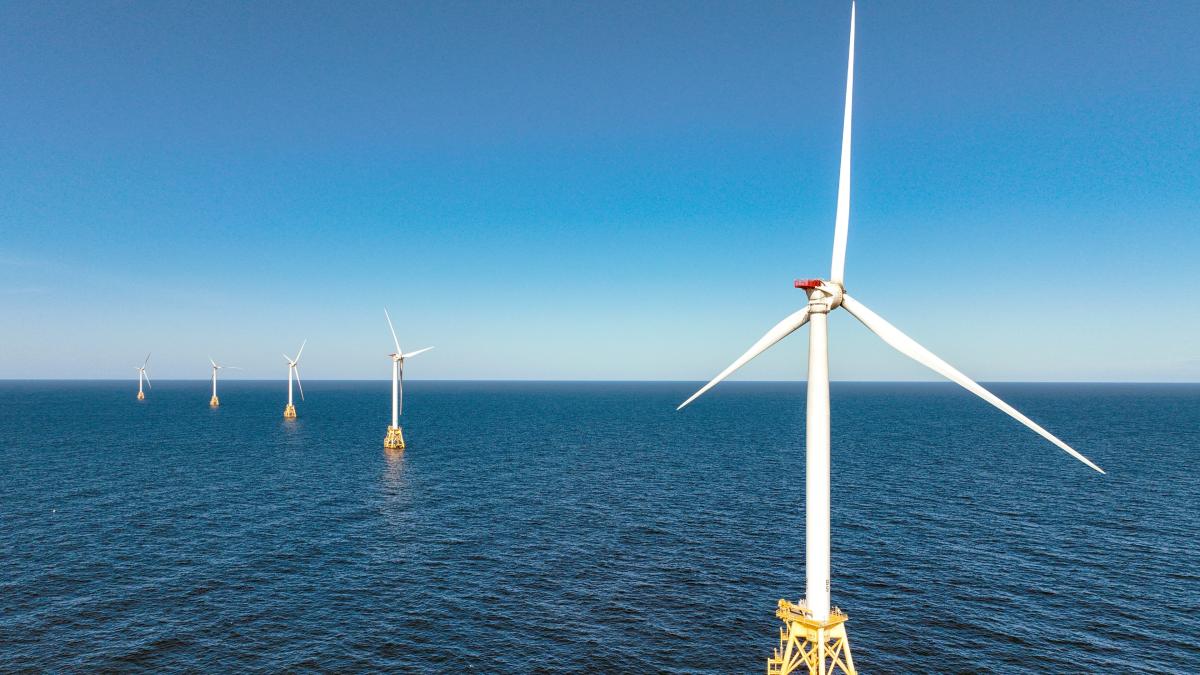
{"x": 588, "y": 526}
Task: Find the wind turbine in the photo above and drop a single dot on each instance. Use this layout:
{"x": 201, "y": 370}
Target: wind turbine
{"x": 142, "y": 374}
{"x": 214, "y": 401}
{"x": 395, "y": 437}
{"x": 815, "y": 634}
{"x": 290, "y": 411}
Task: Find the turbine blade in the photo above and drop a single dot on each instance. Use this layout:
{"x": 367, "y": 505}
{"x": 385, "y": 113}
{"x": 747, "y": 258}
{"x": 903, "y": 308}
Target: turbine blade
{"x": 419, "y": 351}
{"x": 909, "y": 347}
{"x": 298, "y": 383}
{"x": 147, "y": 361}
{"x": 147, "y": 376}
{"x": 393, "y": 329}
{"x": 214, "y": 363}
{"x": 781, "y": 330}
{"x": 301, "y": 350}
{"x": 842, "y": 221}
{"x": 287, "y": 358}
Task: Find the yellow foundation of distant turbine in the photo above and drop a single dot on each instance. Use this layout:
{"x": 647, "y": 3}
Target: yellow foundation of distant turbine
{"x": 214, "y": 401}
{"x": 806, "y": 644}
{"x": 141, "y": 396}
{"x": 394, "y": 439}
{"x": 289, "y": 413}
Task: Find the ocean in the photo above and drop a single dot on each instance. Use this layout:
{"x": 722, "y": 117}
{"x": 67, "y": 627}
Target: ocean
{"x": 588, "y": 526}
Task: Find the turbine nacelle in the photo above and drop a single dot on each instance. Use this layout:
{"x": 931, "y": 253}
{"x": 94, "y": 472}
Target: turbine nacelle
{"x": 823, "y": 296}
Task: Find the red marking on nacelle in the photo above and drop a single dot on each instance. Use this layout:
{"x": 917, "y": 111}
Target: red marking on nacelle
{"x": 808, "y": 283}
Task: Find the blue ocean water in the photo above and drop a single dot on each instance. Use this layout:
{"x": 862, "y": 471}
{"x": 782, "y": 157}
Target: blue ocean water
{"x": 590, "y": 527}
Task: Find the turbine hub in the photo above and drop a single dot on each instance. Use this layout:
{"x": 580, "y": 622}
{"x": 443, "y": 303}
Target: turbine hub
{"x": 823, "y": 296}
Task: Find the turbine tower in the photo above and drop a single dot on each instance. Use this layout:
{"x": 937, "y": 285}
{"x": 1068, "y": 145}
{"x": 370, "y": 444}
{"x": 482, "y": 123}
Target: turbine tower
{"x": 214, "y": 401}
{"x": 289, "y": 413}
{"x": 395, "y": 437}
{"x": 142, "y": 374}
{"x": 814, "y": 635}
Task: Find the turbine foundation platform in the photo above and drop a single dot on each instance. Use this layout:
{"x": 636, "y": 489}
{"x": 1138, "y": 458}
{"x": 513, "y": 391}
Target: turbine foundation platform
{"x": 214, "y": 401}
{"x": 141, "y": 396}
{"x": 394, "y": 439}
{"x": 289, "y": 413}
{"x": 810, "y": 645}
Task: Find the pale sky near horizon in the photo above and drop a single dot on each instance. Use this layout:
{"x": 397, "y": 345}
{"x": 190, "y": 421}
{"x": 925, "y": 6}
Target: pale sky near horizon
{"x": 595, "y": 190}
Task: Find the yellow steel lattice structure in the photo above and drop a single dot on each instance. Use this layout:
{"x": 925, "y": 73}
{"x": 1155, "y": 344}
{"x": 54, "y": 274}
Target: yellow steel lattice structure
{"x": 805, "y": 643}
{"x": 289, "y": 413}
{"x": 394, "y": 439}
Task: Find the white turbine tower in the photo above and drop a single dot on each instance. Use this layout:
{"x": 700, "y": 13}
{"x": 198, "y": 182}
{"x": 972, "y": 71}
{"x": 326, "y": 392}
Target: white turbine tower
{"x": 290, "y": 411}
{"x": 214, "y": 401}
{"x": 142, "y": 374}
{"x": 395, "y": 437}
{"x": 815, "y": 635}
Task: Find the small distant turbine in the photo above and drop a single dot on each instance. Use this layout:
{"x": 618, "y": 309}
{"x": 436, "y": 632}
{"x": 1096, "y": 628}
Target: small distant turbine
{"x": 214, "y": 401}
{"x": 395, "y": 437}
{"x": 815, "y": 635}
{"x": 289, "y": 413}
{"x": 142, "y": 374}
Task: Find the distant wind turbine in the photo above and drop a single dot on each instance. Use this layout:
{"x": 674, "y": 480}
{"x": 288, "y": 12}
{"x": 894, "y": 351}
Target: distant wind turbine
{"x": 815, "y": 637}
{"x": 290, "y": 411}
{"x": 214, "y": 402}
{"x": 395, "y": 437}
{"x": 143, "y": 374}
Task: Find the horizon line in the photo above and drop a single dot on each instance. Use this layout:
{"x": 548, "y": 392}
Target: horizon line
{"x": 597, "y": 380}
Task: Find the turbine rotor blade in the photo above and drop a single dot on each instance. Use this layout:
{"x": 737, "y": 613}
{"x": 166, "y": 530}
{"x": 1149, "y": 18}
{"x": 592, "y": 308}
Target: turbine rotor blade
{"x": 781, "y": 330}
{"x": 147, "y": 361}
{"x": 288, "y": 359}
{"x": 909, "y": 347}
{"x": 214, "y": 363}
{"x": 301, "y": 350}
{"x": 841, "y": 227}
{"x": 147, "y": 376}
{"x": 411, "y": 354}
{"x": 298, "y": 383}
{"x": 393, "y": 329}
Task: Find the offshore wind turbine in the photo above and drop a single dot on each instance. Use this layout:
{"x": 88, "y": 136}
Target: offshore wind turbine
{"x": 214, "y": 401}
{"x": 395, "y": 437}
{"x": 815, "y": 633}
{"x": 142, "y": 374}
{"x": 290, "y": 411}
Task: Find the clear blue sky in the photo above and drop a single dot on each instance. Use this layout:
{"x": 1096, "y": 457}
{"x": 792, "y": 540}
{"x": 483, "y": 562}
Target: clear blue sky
{"x": 595, "y": 190}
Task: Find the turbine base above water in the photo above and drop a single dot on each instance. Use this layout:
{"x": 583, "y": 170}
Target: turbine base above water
{"x": 214, "y": 401}
{"x": 141, "y": 396}
{"x": 289, "y": 412}
{"x": 807, "y": 643}
{"x": 394, "y": 439}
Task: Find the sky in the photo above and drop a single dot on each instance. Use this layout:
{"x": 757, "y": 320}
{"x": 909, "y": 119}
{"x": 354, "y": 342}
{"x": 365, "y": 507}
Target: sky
{"x": 575, "y": 190}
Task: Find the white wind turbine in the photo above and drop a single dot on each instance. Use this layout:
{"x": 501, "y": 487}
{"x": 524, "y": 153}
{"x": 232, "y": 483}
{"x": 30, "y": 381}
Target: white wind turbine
{"x": 293, "y": 369}
{"x": 143, "y": 374}
{"x": 395, "y": 437}
{"x": 813, "y": 632}
{"x": 214, "y": 401}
